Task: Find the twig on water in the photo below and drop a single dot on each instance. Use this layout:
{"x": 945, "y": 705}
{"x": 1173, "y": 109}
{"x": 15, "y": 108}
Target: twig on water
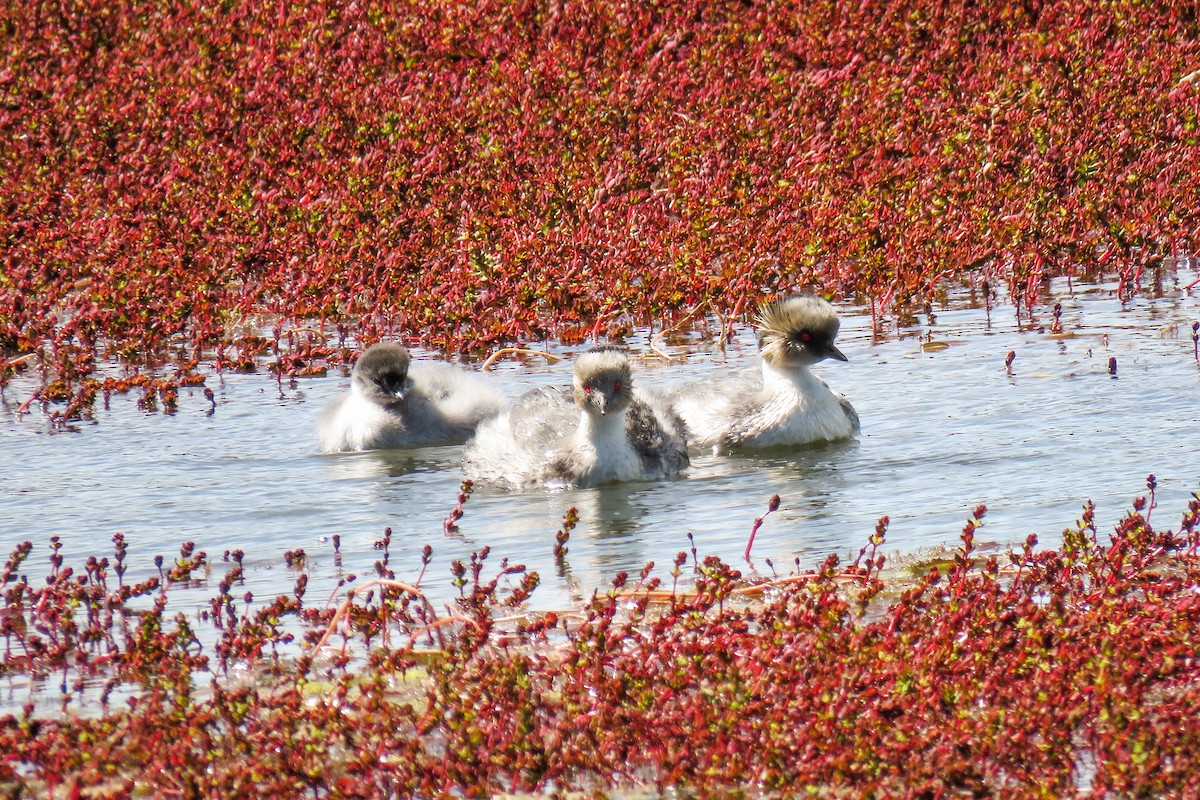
{"x": 344, "y": 608}
{"x": 504, "y": 351}
{"x": 684, "y": 320}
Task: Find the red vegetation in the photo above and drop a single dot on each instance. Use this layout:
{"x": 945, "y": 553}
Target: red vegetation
{"x": 1039, "y": 674}
{"x": 223, "y": 183}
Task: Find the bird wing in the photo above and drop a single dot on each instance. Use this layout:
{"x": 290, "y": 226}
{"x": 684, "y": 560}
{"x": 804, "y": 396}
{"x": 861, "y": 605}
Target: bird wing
{"x": 657, "y": 433}
{"x": 851, "y": 414}
{"x": 541, "y": 418}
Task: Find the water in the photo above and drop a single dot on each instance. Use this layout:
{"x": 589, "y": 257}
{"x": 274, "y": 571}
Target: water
{"x": 945, "y": 427}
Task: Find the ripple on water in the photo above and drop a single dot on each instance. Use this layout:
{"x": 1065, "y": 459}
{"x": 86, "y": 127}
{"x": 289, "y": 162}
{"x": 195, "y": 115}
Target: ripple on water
{"x": 944, "y": 428}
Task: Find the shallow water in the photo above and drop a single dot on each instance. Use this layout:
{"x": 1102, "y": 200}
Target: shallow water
{"x": 945, "y": 427}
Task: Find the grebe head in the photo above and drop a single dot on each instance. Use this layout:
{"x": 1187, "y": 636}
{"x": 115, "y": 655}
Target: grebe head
{"x": 381, "y": 373}
{"x": 798, "y": 331}
{"x": 603, "y": 381}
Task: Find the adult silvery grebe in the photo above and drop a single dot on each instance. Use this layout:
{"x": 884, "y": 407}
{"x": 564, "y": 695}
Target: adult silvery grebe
{"x": 784, "y": 403}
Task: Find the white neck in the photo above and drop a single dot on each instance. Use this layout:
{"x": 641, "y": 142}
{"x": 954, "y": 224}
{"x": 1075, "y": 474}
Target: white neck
{"x": 789, "y": 379}
{"x": 800, "y": 408}
{"x": 604, "y": 447}
{"x": 599, "y": 430}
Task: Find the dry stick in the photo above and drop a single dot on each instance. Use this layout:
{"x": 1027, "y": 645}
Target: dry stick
{"x": 19, "y": 359}
{"x": 441, "y": 623}
{"x": 306, "y": 329}
{"x": 663, "y": 595}
{"x": 663, "y": 354}
{"x": 517, "y": 351}
{"x": 1186, "y": 79}
{"x": 759, "y": 588}
{"x": 559, "y": 614}
{"x": 345, "y": 606}
{"x": 688, "y": 317}
{"x": 657, "y": 595}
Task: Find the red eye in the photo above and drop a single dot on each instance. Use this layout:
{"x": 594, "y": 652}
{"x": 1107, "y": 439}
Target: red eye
{"x": 617, "y": 386}
{"x": 806, "y": 337}
{"x": 587, "y": 390}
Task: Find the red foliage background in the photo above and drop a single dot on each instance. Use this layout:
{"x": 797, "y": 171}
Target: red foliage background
{"x": 177, "y": 177}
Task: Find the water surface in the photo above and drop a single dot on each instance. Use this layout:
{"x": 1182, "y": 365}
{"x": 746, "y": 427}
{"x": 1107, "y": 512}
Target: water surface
{"x": 945, "y": 427}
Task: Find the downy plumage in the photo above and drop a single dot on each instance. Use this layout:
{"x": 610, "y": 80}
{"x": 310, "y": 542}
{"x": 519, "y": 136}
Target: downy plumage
{"x": 595, "y": 432}
{"x": 396, "y": 402}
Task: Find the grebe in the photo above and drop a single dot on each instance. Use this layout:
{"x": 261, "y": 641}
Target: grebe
{"x": 784, "y": 404}
{"x": 397, "y": 402}
{"x": 598, "y": 431}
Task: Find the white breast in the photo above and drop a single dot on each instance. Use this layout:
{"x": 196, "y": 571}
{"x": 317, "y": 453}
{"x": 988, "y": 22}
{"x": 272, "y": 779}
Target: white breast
{"x": 797, "y": 408}
{"x": 778, "y": 408}
{"x": 604, "y": 452}
{"x": 356, "y": 424}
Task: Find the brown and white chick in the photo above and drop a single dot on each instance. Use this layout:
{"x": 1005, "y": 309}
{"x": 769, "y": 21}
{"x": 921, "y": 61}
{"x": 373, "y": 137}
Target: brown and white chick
{"x": 397, "y": 402}
{"x": 597, "y": 431}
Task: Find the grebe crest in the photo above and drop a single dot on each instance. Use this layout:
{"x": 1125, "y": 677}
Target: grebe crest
{"x": 797, "y": 331}
{"x": 783, "y": 403}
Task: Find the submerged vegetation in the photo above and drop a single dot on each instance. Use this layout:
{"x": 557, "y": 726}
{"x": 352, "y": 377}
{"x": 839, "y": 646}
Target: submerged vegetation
{"x": 245, "y": 183}
{"x": 1042, "y": 673}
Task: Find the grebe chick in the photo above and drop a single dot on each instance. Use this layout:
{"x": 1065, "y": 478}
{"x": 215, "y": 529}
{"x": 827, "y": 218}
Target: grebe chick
{"x": 598, "y": 431}
{"x": 784, "y": 404}
{"x": 397, "y": 402}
